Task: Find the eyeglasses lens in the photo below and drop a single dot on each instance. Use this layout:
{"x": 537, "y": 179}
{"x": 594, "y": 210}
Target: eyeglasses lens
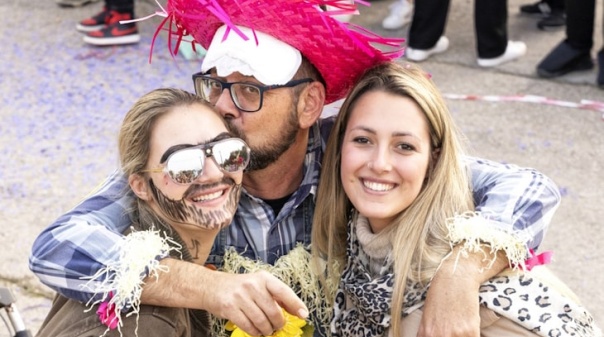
{"x": 231, "y": 156}
{"x": 245, "y": 96}
{"x": 210, "y": 89}
{"x": 186, "y": 165}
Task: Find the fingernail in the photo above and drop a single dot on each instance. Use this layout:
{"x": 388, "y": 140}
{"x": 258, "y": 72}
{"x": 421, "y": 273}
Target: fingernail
{"x": 302, "y": 313}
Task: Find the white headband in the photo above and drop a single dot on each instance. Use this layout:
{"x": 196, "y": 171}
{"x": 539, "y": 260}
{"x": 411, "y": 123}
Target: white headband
{"x": 271, "y": 61}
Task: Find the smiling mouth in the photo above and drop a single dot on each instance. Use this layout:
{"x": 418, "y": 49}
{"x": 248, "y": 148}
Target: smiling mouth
{"x": 378, "y": 187}
{"x": 208, "y": 197}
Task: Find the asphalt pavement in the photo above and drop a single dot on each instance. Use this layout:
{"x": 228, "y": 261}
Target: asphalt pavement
{"x": 62, "y": 102}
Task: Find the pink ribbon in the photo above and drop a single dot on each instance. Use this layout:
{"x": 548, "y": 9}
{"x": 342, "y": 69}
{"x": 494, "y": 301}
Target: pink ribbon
{"x": 538, "y": 260}
{"x": 106, "y": 313}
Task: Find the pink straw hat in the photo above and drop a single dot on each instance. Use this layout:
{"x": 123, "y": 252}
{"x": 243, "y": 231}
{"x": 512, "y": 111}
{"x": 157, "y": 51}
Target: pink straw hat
{"x": 340, "y": 51}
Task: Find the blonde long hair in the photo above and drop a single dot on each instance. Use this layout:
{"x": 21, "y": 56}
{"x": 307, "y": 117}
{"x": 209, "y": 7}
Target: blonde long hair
{"x": 419, "y": 234}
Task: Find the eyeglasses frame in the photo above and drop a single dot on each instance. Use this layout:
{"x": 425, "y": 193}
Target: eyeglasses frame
{"x": 261, "y": 88}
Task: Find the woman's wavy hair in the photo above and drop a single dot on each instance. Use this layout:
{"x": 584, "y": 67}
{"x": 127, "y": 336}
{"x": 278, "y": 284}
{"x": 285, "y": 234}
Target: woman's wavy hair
{"x": 419, "y": 234}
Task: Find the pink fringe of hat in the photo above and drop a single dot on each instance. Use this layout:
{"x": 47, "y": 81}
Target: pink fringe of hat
{"x": 340, "y": 51}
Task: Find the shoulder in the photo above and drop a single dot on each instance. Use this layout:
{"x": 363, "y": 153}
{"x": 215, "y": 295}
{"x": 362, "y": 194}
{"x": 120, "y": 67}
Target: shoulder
{"x": 325, "y": 126}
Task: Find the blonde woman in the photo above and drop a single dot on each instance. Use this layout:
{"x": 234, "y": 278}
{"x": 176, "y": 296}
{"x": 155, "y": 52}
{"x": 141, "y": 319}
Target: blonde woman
{"x": 394, "y": 197}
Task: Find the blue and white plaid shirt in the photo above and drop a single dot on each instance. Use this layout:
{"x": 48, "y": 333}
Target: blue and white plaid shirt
{"x": 82, "y": 241}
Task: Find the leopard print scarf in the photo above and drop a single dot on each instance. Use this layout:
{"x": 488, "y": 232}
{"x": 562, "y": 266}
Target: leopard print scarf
{"x": 363, "y": 299}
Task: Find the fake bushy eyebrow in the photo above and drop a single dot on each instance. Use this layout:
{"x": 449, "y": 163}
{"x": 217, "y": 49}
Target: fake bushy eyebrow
{"x": 178, "y": 147}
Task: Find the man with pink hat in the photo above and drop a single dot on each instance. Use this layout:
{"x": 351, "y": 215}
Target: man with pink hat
{"x": 270, "y": 68}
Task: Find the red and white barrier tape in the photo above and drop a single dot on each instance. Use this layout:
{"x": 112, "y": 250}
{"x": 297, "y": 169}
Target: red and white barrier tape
{"x": 584, "y": 104}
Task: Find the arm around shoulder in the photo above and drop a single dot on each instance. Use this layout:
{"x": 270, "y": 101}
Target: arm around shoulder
{"x": 515, "y": 199}
{"x": 253, "y": 301}
{"x": 82, "y": 241}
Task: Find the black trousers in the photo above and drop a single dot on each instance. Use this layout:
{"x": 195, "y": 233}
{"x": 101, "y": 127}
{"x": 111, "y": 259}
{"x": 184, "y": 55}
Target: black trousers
{"x": 580, "y": 20}
{"x": 490, "y": 25}
{"x": 122, "y": 6}
{"x": 555, "y": 4}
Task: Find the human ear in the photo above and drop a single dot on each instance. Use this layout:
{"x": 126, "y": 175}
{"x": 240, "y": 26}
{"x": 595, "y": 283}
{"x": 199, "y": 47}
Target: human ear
{"x": 435, "y": 154}
{"x": 310, "y": 104}
{"x": 138, "y": 184}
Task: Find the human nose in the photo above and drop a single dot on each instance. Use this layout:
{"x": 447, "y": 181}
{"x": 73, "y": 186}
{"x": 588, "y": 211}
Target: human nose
{"x": 225, "y": 104}
{"x": 380, "y": 160}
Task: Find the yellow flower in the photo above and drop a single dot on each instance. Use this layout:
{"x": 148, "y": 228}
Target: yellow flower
{"x": 292, "y": 328}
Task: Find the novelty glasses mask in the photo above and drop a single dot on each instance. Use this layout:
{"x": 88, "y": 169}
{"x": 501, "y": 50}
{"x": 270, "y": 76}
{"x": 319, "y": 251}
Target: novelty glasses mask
{"x": 246, "y": 96}
{"x": 186, "y": 165}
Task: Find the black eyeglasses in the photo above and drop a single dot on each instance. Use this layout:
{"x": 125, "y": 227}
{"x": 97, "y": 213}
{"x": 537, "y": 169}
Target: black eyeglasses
{"x": 246, "y": 96}
{"x": 186, "y": 165}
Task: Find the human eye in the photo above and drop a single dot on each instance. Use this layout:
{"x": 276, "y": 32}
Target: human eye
{"x": 214, "y": 85}
{"x": 211, "y": 89}
{"x": 249, "y": 89}
{"x": 405, "y": 147}
{"x": 247, "y": 95}
{"x": 360, "y": 140}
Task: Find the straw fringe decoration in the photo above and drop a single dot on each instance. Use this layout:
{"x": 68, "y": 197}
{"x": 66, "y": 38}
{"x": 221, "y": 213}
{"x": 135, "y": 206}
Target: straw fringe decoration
{"x": 469, "y": 230}
{"x": 122, "y": 282}
{"x": 293, "y": 269}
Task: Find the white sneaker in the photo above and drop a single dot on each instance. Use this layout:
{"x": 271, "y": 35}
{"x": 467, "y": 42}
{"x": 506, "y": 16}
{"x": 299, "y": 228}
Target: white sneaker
{"x": 419, "y": 55}
{"x": 514, "y": 50}
{"x": 342, "y": 17}
{"x": 401, "y": 13}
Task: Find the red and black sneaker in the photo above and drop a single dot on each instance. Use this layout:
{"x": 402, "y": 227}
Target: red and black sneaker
{"x": 96, "y": 22}
{"x": 115, "y": 33}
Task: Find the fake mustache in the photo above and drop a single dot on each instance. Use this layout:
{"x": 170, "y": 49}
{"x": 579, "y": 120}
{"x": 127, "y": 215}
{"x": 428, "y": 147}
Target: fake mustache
{"x": 200, "y": 188}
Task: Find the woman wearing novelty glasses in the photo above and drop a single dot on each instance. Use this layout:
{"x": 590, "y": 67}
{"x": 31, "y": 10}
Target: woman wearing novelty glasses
{"x": 185, "y": 169}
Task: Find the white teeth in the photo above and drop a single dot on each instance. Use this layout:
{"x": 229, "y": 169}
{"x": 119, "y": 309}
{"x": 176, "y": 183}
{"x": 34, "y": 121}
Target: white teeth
{"x": 207, "y": 197}
{"x": 378, "y": 186}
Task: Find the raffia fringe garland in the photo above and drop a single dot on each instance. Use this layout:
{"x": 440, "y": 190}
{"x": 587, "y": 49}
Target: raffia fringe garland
{"x": 121, "y": 284}
{"x": 294, "y": 269}
{"x": 469, "y": 230}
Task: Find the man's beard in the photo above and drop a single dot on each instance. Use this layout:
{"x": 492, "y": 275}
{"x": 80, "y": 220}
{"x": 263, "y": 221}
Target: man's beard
{"x": 261, "y": 158}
